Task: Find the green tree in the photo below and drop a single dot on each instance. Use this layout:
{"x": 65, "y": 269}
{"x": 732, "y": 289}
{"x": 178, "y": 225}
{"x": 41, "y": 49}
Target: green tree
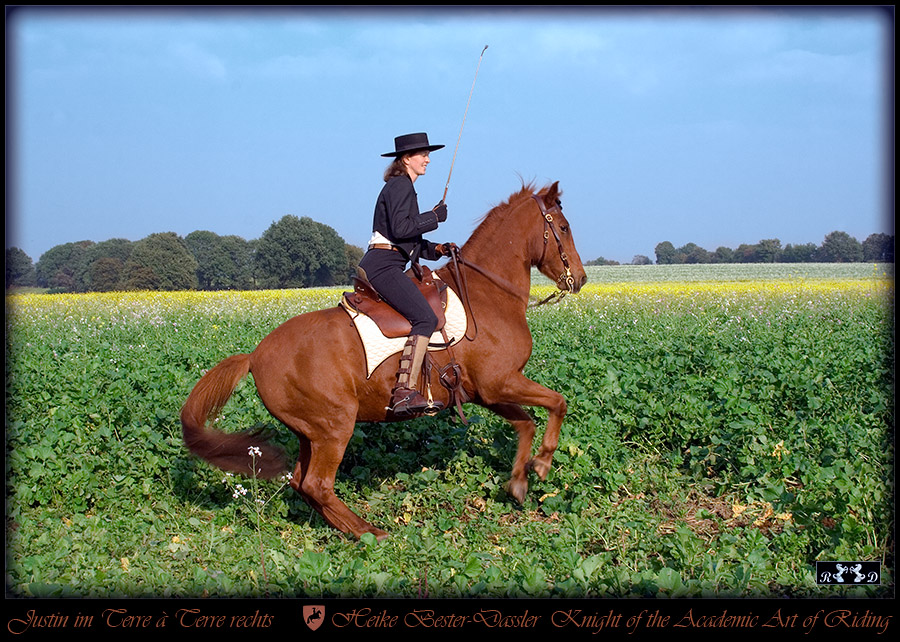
{"x": 299, "y": 252}
{"x": 805, "y": 253}
{"x": 214, "y": 266}
{"x": 161, "y": 262}
{"x": 665, "y": 253}
{"x": 768, "y": 251}
{"x": 105, "y": 275}
{"x": 692, "y": 253}
{"x": 240, "y": 251}
{"x": 19, "y": 268}
{"x": 59, "y": 266}
{"x": 879, "y": 247}
{"x": 746, "y": 254}
{"x": 354, "y": 256}
{"x": 223, "y": 262}
{"x": 723, "y": 255}
{"x": 840, "y": 247}
{"x": 114, "y": 253}
{"x": 602, "y": 261}
{"x": 256, "y": 274}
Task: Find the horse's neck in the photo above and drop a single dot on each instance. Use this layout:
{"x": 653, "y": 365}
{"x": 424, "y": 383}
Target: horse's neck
{"x": 501, "y": 250}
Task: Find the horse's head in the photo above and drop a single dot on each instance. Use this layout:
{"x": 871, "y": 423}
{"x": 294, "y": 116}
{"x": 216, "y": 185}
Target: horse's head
{"x": 553, "y": 252}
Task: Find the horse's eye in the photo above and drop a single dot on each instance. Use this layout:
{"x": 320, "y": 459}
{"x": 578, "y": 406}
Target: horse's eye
{"x": 564, "y": 228}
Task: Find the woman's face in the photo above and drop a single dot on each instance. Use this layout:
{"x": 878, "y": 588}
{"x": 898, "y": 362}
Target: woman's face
{"x": 416, "y": 164}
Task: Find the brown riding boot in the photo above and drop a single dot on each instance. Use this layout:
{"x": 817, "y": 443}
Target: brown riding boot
{"x": 406, "y": 401}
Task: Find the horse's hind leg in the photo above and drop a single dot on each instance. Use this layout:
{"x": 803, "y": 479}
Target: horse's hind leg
{"x": 317, "y": 487}
{"x": 321, "y": 451}
{"x": 524, "y": 426}
{"x": 301, "y": 465}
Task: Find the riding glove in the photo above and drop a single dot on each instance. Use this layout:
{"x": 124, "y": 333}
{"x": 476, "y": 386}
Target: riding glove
{"x": 444, "y": 249}
{"x": 440, "y": 211}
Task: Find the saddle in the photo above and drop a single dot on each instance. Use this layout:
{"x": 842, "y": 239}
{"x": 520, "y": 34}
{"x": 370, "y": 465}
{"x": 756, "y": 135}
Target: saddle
{"x": 365, "y": 300}
{"x": 368, "y": 309}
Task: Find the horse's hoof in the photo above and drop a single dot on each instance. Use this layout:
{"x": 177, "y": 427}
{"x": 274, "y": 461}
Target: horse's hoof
{"x": 377, "y": 533}
{"x": 517, "y": 488}
{"x": 541, "y": 468}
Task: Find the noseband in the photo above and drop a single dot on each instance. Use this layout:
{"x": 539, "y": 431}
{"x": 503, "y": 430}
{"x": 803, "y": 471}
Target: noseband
{"x": 549, "y": 228}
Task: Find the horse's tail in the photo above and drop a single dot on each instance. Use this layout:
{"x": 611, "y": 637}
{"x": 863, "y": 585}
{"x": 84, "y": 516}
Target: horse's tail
{"x": 233, "y": 452}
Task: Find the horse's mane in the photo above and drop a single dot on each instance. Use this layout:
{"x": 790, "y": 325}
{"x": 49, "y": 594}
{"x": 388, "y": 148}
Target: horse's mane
{"x": 497, "y": 212}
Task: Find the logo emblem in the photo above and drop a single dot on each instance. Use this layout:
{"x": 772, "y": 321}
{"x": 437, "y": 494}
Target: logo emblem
{"x": 314, "y": 616}
{"x": 848, "y": 573}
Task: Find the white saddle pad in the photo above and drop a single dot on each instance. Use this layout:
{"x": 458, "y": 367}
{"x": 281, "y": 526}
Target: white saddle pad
{"x": 379, "y": 347}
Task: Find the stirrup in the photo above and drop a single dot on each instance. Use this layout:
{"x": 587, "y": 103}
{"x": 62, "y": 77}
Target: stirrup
{"x": 407, "y": 402}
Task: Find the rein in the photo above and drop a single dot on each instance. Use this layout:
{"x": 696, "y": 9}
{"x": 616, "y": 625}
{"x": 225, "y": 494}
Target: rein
{"x": 565, "y": 278}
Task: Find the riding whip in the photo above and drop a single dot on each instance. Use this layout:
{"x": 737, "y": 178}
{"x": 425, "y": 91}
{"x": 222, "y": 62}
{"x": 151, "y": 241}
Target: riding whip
{"x": 447, "y": 186}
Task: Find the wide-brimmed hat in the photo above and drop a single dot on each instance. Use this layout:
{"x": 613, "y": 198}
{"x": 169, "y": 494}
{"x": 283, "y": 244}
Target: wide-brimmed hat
{"x": 411, "y": 143}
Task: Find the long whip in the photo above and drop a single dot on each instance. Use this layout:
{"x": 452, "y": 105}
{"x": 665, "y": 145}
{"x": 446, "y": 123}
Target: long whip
{"x": 447, "y": 186}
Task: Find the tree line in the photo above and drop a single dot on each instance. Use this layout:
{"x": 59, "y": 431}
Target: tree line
{"x": 838, "y": 247}
{"x": 292, "y": 253}
{"x": 300, "y": 252}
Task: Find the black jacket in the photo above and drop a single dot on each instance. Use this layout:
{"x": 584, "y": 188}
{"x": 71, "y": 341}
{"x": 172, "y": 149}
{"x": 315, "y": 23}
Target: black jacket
{"x": 398, "y": 219}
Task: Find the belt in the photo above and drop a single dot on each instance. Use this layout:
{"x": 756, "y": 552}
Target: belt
{"x": 383, "y": 246}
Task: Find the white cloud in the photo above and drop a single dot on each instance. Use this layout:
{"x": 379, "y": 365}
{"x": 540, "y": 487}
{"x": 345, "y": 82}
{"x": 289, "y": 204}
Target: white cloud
{"x": 564, "y": 41}
{"x": 194, "y": 59}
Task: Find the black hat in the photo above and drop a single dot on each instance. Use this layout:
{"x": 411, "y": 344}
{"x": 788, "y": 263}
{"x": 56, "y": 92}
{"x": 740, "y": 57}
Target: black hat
{"x": 411, "y": 143}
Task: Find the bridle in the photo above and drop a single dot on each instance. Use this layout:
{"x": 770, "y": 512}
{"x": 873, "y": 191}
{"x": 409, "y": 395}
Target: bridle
{"x": 565, "y": 278}
{"x": 549, "y": 228}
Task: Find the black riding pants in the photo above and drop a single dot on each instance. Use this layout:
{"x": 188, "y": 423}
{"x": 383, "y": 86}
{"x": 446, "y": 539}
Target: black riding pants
{"x": 385, "y": 271}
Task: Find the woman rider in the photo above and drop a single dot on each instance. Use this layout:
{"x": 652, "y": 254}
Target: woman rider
{"x": 397, "y": 240}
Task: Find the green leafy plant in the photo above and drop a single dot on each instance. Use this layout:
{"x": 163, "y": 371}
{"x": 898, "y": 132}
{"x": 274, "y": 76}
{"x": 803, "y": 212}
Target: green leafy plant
{"x": 722, "y": 436}
{"x": 254, "y": 500}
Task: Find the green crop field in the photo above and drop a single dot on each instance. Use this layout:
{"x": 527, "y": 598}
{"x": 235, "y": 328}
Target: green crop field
{"x": 728, "y": 427}
{"x": 730, "y": 272}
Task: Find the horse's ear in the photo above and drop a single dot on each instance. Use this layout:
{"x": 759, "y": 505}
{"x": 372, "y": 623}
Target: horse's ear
{"x": 552, "y": 194}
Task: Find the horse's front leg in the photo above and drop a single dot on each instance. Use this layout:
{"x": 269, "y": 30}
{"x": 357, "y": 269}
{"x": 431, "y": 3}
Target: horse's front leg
{"x": 543, "y": 461}
{"x": 521, "y": 391}
{"x": 524, "y": 426}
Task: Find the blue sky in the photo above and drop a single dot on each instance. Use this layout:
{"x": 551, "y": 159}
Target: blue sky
{"x": 707, "y": 126}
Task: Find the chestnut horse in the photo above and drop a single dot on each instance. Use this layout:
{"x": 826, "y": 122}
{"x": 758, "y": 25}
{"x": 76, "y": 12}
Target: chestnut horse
{"x": 310, "y": 371}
